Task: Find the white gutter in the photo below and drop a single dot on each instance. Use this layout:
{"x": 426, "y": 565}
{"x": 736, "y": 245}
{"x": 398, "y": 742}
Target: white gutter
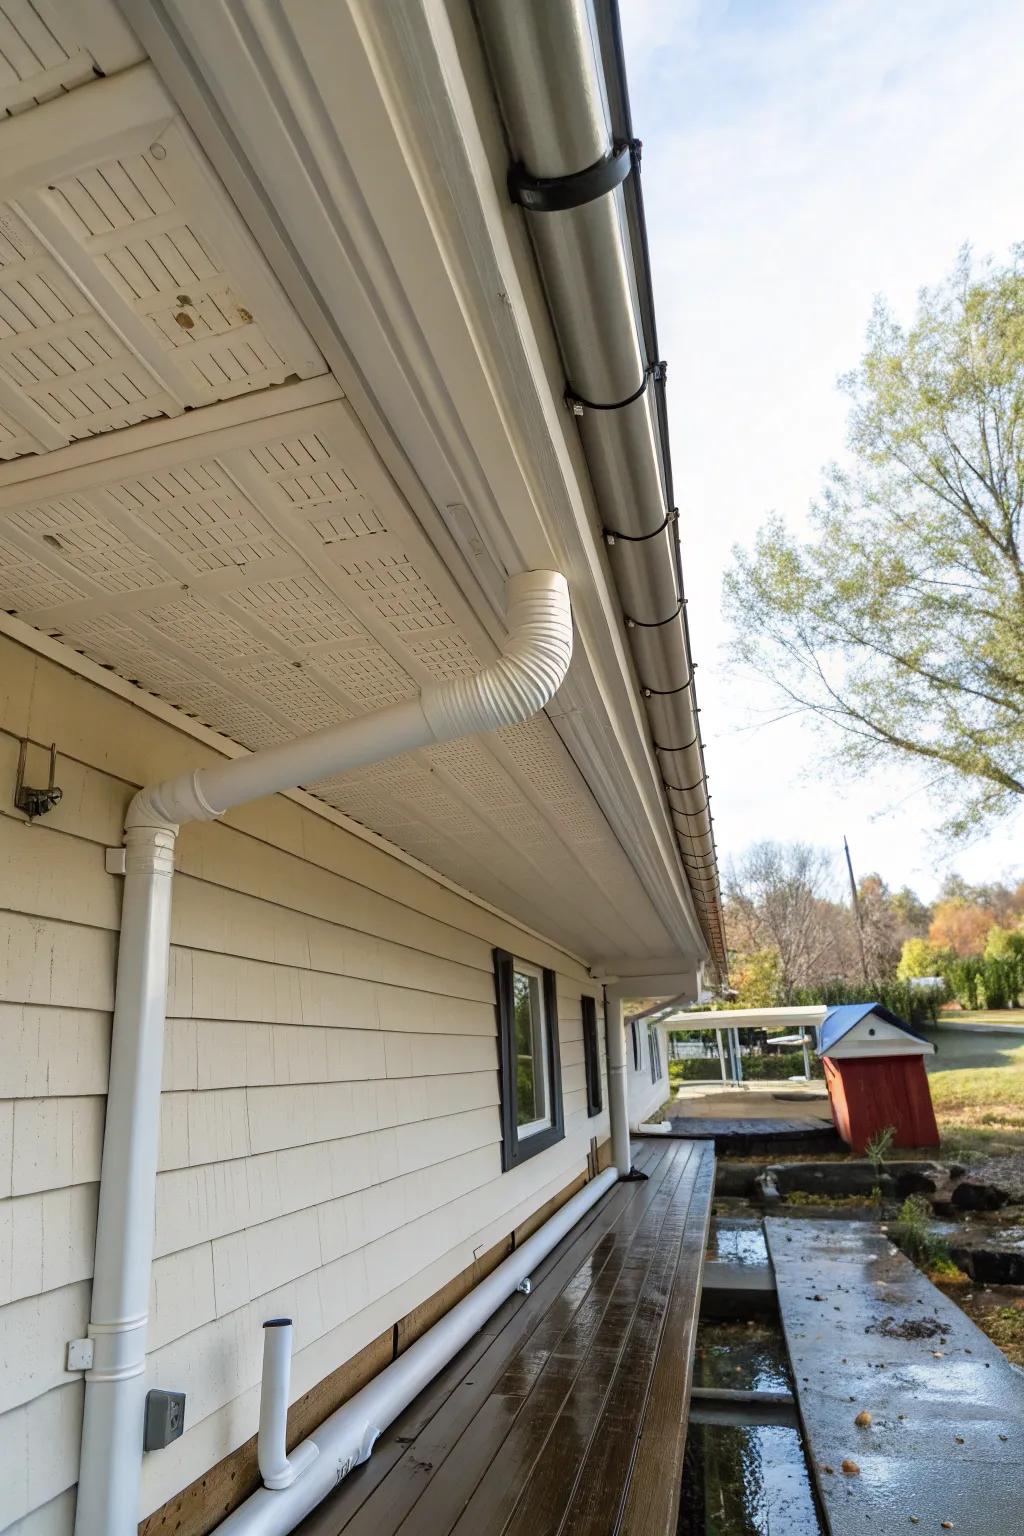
{"x": 550, "y": 75}
{"x": 515, "y": 686}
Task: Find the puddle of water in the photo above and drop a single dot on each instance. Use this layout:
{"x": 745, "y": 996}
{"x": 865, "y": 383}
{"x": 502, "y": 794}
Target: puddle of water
{"x": 737, "y": 1242}
{"x": 747, "y": 1356}
{"x": 750, "y": 1480}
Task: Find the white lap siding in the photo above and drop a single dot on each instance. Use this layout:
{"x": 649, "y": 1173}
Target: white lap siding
{"x": 330, "y": 1140}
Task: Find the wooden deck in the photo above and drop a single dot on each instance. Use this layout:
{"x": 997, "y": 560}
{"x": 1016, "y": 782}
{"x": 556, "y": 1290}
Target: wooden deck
{"x": 868, "y": 1333}
{"x": 567, "y": 1414}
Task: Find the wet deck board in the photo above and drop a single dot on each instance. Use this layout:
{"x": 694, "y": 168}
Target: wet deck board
{"x": 738, "y": 1134}
{"x": 946, "y": 1442}
{"x": 567, "y": 1414}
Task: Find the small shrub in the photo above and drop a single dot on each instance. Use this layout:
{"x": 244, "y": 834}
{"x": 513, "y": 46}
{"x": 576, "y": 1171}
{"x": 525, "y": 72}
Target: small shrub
{"x": 879, "y": 1147}
{"x": 912, "y": 1233}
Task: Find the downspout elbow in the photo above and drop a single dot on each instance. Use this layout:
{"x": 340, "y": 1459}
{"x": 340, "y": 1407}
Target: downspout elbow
{"x": 527, "y": 674}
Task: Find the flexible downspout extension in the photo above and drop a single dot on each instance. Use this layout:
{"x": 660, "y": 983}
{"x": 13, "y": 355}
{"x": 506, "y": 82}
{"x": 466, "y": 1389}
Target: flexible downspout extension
{"x": 521, "y": 681}
{"x": 577, "y": 182}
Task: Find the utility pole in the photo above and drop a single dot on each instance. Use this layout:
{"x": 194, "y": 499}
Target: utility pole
{"x": 856, "y": 912}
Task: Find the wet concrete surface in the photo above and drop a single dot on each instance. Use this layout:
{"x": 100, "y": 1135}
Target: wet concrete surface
{"x": 946, "y": 1438}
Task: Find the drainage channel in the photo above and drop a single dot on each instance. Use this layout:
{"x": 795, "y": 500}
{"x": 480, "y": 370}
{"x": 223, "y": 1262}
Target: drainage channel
{"x": 745, "y": 1471}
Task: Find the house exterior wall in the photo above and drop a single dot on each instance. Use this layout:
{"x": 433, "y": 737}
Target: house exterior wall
{"x": 646, "y": 1096}
{"x": 330, "y": 1137}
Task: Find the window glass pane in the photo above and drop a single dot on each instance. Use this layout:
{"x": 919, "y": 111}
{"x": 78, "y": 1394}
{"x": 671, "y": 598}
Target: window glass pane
{"x": 531, "y": 1065}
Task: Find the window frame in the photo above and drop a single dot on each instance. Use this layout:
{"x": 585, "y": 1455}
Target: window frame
{"x": 591, "y": 1056}
{"x": 516, "y": 1147}
{"x": 638, "y": 1056}
{"x": 654, "y": 1052}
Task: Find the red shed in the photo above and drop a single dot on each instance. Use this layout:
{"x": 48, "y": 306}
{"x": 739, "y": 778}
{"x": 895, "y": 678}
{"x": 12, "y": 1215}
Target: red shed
{"x": 874, "y": 1068}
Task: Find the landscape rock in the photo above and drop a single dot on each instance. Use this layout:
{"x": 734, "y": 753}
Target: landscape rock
{"x": 978, "y": 1195}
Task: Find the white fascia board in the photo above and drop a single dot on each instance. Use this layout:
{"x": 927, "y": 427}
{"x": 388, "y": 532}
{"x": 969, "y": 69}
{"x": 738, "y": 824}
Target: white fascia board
{"x": 371, "y": 173}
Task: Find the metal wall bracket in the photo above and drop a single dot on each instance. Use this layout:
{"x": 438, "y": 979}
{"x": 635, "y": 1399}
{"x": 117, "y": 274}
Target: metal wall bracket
{"x": 32, "y": 801}
{"x": 80, "y": 1353}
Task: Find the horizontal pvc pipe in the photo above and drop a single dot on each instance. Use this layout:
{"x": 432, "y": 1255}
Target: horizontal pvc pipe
{"x": 277, "y": 1468}
{"x": 348, "y": 1436}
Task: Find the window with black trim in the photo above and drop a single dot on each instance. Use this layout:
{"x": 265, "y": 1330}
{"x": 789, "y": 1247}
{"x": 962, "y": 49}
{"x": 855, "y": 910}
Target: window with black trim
{"x": 637, "y": 1054}
{"x": 530, "y": 1065}
{"x": 591, "y": 1056}
{"x": 654, "y": 1049}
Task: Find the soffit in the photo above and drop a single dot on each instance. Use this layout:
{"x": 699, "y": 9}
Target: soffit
{"x": 49, "y": 46}
{"x": 254, "y": 565}
{"x": 129, "y": 286}
{"x": 179, "y": 507}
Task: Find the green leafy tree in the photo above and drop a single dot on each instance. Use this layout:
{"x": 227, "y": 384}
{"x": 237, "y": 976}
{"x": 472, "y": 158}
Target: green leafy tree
{"x": 901, "y": 620}
{"x": 920, "y": 958}
{"x": 1004, "y": 944}
{"x": 757, "y": 978}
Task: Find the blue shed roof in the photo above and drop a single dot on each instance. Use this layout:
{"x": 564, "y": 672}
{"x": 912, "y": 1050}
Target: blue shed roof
{"x": 839, "y": 1021}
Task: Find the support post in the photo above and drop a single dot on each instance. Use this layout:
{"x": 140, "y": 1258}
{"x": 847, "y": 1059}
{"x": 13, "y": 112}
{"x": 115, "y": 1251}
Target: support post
{"x": 721, "y": 1053}
{"x": 115, "y": 1386}
{"x": 618, "y": 1092}
{"x": 807, "y": 1058}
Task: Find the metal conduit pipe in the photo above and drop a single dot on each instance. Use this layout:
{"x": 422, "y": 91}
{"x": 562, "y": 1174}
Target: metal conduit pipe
{"x": 546, "y": 61}
{"x": 523, "y": 678}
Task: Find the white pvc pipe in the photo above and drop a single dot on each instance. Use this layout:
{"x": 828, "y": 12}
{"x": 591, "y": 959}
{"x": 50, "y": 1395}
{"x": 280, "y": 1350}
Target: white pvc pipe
{"x": 277, "y": 1468}
{"x": 618, "y": 1086}
{"x": 115, "y": 1386}
{"x": 515, "y": 686}
{"x": 349, "y": 1435}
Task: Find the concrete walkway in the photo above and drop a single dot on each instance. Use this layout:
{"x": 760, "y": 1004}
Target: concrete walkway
{"x": 943, "y": 1448}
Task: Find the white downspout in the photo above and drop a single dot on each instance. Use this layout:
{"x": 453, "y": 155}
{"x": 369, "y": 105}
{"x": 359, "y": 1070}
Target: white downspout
{"x": 618, "y": 1086}
{"x": 515, "y": 686}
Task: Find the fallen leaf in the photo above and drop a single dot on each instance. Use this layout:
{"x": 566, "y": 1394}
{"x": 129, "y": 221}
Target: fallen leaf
{"x": 851, "y": 1469}
{"x": 863, "y": 1419}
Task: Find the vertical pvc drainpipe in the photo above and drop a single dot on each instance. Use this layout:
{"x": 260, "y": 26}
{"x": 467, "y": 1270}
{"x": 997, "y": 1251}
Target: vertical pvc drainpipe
{"x": 115, "y": 1386}
{"x": 618, "y": 1089}
{"x": 277, "y": 1468}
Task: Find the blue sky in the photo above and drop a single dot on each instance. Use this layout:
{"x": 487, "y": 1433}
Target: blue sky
{"x": 801, "y": 156}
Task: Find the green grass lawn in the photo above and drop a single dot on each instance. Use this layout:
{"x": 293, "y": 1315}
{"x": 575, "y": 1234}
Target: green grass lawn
{"x": 977, "y": 1083}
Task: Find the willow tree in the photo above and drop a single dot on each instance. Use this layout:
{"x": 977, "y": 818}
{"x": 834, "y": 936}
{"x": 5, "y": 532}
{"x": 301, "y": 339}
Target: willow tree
{"x": 901, "y": 619}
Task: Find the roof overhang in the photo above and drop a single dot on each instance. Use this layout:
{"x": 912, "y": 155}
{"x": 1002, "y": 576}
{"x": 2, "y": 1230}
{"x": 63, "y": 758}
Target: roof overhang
{"x": 368, "y": 236}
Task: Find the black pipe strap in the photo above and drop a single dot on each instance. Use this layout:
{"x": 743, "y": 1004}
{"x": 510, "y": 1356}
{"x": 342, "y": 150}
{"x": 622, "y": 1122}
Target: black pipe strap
{"x": 658, "y": 747}
{"x": 666, "y": 693}
{"x": 612, "y": 535}
{"x": 699, "y": 812}
{"x": 687, "y": 789}
{"x": 656, "y": 371}
{"x": 558, "y": 194}
{"x": 632, "y": 623}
